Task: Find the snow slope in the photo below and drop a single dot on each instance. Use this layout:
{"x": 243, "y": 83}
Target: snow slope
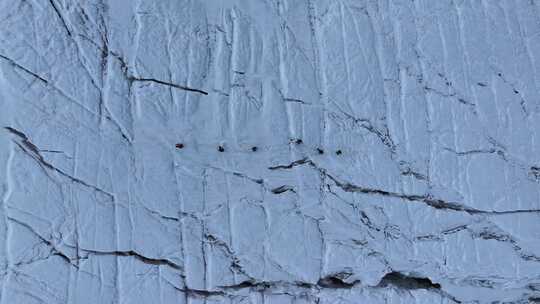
{"x": 270, "y": 151}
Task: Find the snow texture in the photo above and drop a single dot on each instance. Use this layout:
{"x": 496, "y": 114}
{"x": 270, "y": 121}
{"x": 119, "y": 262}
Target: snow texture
{"x": 270, "y": 151}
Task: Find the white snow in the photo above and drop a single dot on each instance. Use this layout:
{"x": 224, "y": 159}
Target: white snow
{"x": 371, "y": 151}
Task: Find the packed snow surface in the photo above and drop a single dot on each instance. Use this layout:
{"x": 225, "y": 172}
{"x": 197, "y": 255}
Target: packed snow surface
{"x": 270, "y": 151}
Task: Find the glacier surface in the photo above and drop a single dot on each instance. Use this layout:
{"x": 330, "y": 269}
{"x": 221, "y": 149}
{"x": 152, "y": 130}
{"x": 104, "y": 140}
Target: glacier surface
{"x": 270, "y": 151}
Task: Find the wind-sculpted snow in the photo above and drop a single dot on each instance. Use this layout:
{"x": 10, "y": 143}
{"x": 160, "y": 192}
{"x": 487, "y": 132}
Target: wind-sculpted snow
{"x": 270, "y": 151}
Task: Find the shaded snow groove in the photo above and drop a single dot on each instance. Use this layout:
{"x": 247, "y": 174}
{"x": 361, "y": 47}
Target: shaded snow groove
{"x": 15, "y": 64}
{"x": 426, "y": 199}
{"x": 331, "y": 282}
{"x": 55, "y": 251}
{"x": 181, "y": 87}
{"x": 74, "y": 260}
{"x": 407, "y": 282}
{"x": 31, "y": 150}
{"x": 136, "y": 255}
